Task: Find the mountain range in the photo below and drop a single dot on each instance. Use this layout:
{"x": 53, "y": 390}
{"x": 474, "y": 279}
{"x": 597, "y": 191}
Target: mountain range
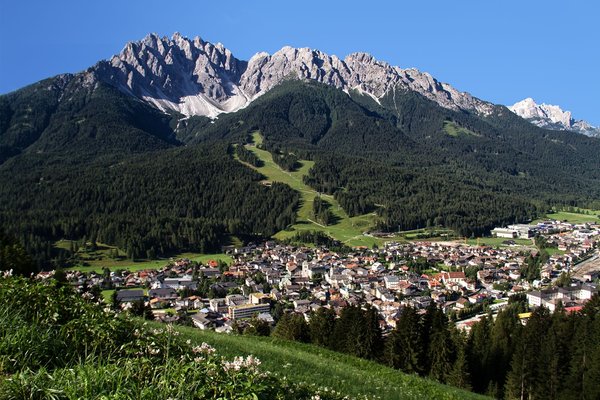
{"x": 194, "y": 77}
{"x": 552, "y": 117}
{"x": 138, "y": 150}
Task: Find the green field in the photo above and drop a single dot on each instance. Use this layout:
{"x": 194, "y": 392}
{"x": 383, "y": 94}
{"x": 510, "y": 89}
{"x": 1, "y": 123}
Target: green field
{"x": 554, "y": 251}
{"x": 572, "y": 217}
{"x": 348, "y": 230}
{"x": 311, "y": 364}
{"x": 454, "y": 130}
{"x": 99, "y": 259}
{"x": 433, "y": 234}
{"x": 498, "y": 242}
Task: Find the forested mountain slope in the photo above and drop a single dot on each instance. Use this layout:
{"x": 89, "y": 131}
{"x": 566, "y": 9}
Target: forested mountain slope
{"x": 80, "y": 159}
{"x": 427, "y": 164}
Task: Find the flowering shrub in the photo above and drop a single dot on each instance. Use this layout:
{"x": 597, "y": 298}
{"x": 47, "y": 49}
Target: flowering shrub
{"x": 55, "y": 344}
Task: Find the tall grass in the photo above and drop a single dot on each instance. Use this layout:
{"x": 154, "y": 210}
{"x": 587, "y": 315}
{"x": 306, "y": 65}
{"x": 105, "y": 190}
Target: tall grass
{"x": 353, "y": 376}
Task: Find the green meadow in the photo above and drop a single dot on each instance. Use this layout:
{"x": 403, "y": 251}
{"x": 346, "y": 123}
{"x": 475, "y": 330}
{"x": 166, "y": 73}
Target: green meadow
{"x": 580, "y": 216}
{"x": 352, "y": 376}
{"x": 455, "y": 130}
{"x": 349, "y": 230}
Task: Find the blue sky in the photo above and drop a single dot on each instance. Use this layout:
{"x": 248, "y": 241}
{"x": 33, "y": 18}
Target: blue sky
{"x": 501, "y": 51}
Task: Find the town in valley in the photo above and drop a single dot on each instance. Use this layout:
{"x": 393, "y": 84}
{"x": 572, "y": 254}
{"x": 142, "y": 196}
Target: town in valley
{"x": 560, "y": 268}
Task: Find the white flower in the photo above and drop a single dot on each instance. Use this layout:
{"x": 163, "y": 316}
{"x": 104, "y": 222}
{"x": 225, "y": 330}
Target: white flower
{"x": 87, "y": 296}
{"x": 250, "y": 363}
{"x": 204, "y": 348}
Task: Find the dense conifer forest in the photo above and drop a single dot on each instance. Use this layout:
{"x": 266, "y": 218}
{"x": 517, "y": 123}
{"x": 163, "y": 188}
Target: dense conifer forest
{"x": 183, "y": 199}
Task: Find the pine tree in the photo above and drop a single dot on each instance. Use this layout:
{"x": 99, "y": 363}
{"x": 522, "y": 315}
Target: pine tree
{"x": 478, "y": 354}
{"x": 459, "y": 374}
{"x": 403, "y": 346}
{"x": 321, "y": 326}
{"x": 503, "y": 334}
{"x": 440, "y": 353}
{"x": 292, "y": 327}
{"x": 371, "y": 340}
{"x": 526, "y": 377}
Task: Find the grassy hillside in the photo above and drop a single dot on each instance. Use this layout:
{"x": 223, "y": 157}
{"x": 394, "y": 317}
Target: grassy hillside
{"x": 455, "y": 130}
{"x": 55, "y": 344}
{"x": 348, "y": 230}
{"x": 96, "y": 260}
{"x": 578, "y": 217}
{"x": 306, "y": 363}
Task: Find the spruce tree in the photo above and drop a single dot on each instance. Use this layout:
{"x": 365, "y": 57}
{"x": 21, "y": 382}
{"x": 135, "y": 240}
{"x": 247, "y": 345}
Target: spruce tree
{"x": 440, "y": 353}
{"x": 403, "y": 346}
{"x": 459, "y": 374}
{"x": 321, "y": 326}
{"x": 292, "y": 327}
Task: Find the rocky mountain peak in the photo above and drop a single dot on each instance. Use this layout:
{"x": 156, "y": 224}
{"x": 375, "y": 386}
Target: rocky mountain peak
{"x": 551, "y": 117}
{"x": 195, "y": 77}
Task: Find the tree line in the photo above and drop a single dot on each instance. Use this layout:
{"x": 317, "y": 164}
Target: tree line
{"x": 247, "y": 156}
{"x": 553, "y": 356}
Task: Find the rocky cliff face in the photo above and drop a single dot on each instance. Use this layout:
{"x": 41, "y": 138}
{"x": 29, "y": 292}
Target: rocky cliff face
{"x": 195, "y": 77}
{"x": 552, "y": 117}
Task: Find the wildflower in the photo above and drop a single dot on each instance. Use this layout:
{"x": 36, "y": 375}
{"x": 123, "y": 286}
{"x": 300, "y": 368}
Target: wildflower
{"x": 250, "y": 363}
{"x": 188, "y": 342}
{"x": 204, "y": 348}
{"x": 8, "y": 274}
{"x": 234, "y": 365}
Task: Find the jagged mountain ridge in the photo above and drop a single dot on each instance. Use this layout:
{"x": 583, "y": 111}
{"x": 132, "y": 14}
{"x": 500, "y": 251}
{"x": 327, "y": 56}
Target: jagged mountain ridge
{"x": 194, "y": 77}
{"x": 552, "y": 117}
